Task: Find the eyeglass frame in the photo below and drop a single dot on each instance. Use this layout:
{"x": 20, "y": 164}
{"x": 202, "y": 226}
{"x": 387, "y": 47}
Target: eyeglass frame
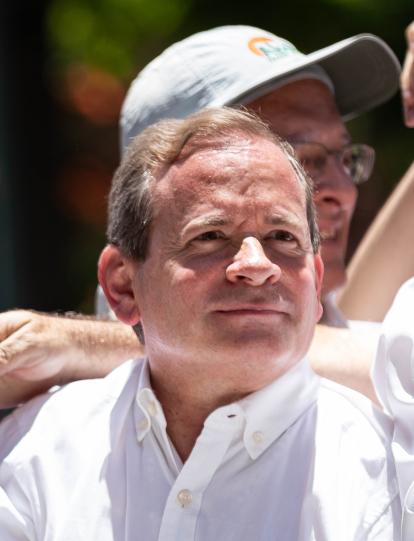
{"x": 338, "y": 154}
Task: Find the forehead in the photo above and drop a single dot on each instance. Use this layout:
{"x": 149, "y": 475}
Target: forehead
{"x": 246, "y": 175}
{"x": 302, "y": 110}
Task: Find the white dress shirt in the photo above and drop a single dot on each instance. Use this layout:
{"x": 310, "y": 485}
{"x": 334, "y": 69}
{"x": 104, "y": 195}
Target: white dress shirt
{"x": 300, "y": 460}
{"x": 393, "y": 376}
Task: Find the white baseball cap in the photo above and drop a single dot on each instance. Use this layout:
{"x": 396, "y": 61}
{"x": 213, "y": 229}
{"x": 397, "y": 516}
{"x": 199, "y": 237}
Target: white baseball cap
{"x": 233, "y": 65}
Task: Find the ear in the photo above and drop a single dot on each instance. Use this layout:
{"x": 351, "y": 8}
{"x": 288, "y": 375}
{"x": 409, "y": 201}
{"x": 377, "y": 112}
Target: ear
{"x": 319, "y": 272}
{"x": 115, "y": 274}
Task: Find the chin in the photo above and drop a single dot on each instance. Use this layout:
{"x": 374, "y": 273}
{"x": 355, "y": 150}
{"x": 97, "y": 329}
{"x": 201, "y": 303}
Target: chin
{"x": 260, "y": 347}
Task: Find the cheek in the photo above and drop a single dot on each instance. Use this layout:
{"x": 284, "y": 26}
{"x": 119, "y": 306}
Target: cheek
{"x": 184, "y": 281}
{"x": 209, "y": 261}
{"x": 182, "y": 287}
{"x": 304, "y": 286}
{"x": 201, "y": 272}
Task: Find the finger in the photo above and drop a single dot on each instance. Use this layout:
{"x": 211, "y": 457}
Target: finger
{"x": 409, "y": 35}
{"x": 12, "y": 321}
{"x": 407, "y": 89}
{"x": 14, "y": 351}
{"x": 407, "y": 79}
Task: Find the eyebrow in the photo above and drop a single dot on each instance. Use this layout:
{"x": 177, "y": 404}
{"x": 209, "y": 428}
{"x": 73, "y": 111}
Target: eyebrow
{"x": 214, "y": 221}
{"x": 219, "y": 221}
{"x": 277, "y": 219}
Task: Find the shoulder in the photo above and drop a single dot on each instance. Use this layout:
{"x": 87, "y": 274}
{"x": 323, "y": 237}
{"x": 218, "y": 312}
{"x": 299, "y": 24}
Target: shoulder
{"x": 353, "y": 454}
{"x": 70, "y": 410}
{"x": 392, "y": 370}
{"x": 351, "y": 411}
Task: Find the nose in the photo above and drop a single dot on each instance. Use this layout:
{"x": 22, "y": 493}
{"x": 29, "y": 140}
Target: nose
{"x": 335, "y": 191}
{"x": 252, "y": 266}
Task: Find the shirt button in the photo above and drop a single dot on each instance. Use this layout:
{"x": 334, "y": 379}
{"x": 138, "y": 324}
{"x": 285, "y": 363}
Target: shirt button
{"x": 152, "y": 408}
{"x": 258, "y": 437}
{"x": 143, "y": 424}
{"x": 185, "y": 498}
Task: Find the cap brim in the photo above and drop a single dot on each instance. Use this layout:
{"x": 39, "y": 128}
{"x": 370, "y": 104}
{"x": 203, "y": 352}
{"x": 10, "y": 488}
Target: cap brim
{"x": 364, "y": 71}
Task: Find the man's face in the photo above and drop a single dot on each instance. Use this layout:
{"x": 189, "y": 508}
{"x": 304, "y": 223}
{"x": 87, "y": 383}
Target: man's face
{"x": 230, "y": 279}
{"x": 305, "y": 111}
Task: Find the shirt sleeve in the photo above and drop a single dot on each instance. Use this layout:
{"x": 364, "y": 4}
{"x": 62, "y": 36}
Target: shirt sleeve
{"x": 387, "y": 527}
{"x": 393, "y": 377}
{"x": 15, "y": 521}
{"x": 13, "y": 526}
{"x": 17, "y": 502}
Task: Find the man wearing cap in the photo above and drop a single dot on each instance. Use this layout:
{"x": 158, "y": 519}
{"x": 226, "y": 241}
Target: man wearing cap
{"x": 303, "y": 97}
{"x": 223, "y": 432}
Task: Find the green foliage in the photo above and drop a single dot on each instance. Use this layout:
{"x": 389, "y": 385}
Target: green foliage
{"x": 121, "y": 36}
{"x": 107, "y": 33}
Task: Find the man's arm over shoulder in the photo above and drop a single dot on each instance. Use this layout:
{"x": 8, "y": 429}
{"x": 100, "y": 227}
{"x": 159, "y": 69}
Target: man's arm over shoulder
{"x": 345, "y": 355}
{"x": 39, "y": 350}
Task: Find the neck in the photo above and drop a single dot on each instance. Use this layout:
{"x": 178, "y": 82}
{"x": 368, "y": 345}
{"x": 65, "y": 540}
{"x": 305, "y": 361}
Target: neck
{"x": 187, "y": 401}
{"x": 190, "y": 388}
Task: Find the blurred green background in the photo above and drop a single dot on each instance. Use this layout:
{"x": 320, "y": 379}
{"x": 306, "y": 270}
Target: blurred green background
{"x": 65, "y": 66}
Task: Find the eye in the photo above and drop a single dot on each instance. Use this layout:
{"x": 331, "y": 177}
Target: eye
{"x": 209, "y": 236}
{"x": 285, "y": 242}
{"x": 283, "y": 236}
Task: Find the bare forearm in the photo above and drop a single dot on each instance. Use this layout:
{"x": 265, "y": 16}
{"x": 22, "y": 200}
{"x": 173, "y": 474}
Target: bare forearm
{"x": 38, "y": 351}
{"x": 56, "y": 350}
{"x": 15, "y": 391}
{"x": 384, "y": 258}
{"x": 345, "y": 356}
{"x": 98, "y": 347}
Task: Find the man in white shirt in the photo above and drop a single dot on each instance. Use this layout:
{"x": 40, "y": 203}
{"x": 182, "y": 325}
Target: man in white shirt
{"x": 305, "y": 98}
{"x": 224, "y": 432}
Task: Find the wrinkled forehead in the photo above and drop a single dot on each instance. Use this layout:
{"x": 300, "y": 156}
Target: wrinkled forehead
{"x": 243, "y": 169}
{"x": 217, "y": 159}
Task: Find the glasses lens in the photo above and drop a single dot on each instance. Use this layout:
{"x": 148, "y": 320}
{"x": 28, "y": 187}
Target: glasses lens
{"x": 358, "y": 162}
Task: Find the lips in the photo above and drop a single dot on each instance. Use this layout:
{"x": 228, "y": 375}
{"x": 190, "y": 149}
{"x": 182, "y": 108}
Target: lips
{"x": 254, "y": 309}
{"x": 243, "y": 299}
{"x": 248, "y": 311}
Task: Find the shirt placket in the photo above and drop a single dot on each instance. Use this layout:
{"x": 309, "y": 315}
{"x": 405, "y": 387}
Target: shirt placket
{"x": 184, "y": 503}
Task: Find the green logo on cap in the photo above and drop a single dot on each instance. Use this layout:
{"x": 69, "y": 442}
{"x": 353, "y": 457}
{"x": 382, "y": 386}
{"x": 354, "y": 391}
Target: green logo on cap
{"x": 271, "y": 49}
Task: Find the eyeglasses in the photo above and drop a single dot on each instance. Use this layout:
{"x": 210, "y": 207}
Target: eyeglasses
{"x": 357, "y": 161}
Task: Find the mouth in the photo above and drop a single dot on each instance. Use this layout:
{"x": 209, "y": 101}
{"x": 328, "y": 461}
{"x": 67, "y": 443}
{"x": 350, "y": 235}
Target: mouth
{"x": 249, "y": 312}
{"x": 252, "y": 310}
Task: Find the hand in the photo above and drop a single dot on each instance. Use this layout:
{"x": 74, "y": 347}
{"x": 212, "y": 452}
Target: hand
{"x": 38, "y": 351}
{"x": 33, "y": 346}
{"x": 407, "y": 78}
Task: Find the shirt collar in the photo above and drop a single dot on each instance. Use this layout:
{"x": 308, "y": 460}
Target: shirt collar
{"x": 266, "y": 413}
{"x": 149, "y": 409}
{"x": 273, "y": 409}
